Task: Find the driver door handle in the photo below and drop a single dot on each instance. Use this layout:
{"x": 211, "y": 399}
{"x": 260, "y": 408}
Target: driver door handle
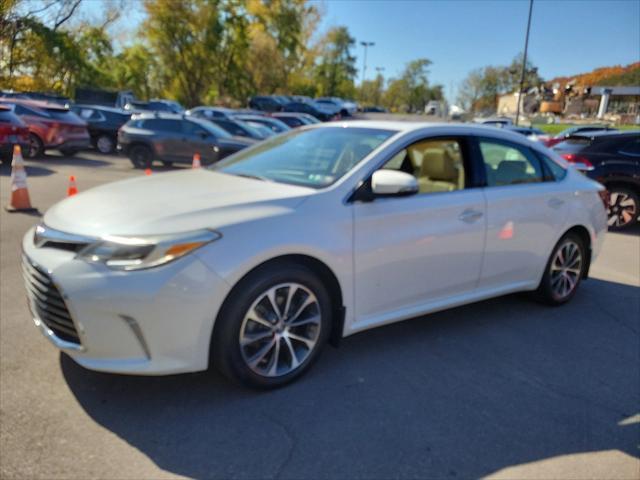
{"x": 470, "y": 215}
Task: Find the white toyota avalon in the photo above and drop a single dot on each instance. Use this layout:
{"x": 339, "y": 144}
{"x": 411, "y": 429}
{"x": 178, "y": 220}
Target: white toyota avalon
{"x": 254, "y": 264}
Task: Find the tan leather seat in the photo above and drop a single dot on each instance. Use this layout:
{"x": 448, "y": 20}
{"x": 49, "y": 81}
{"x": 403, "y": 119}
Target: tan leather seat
{"x": 438, "y": 171}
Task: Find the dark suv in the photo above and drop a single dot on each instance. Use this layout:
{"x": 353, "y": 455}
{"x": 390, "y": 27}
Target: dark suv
{"x": 613, "y": 159}
{"x": 267, "y": 103}
{"x": 103, "y": 124}
{"x": 174, "y": 138}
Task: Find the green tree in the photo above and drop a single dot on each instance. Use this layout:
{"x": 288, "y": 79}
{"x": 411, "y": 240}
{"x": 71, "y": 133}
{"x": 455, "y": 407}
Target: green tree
{"x": 336, "y": 71}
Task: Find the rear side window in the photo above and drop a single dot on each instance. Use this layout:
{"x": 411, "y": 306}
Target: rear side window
{"x": 21, "y": 110}
{"x": 7, "y": 116}
{"x": 553, "y": 169}
{"x": 509, "y": 164}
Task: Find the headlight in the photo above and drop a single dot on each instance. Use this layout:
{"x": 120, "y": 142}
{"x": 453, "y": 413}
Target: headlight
{"x": 134, "y": 253}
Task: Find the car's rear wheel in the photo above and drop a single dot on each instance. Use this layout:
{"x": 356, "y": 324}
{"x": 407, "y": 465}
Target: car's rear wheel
{"x": 272, "y": 327}
{"x": 36, "y": 147}
{"x": 141, "y": 156}
{"x": 623, "y": 208}
{"x": 564, "y": 271}
{"x": 105, "y": 144}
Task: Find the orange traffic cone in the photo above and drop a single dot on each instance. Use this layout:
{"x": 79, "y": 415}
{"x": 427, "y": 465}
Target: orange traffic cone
{"x": 73, "y": 188}
{"x": 196, "y": 160}
{"x": 19, "y": 192}
{"x": 147, "y": 171}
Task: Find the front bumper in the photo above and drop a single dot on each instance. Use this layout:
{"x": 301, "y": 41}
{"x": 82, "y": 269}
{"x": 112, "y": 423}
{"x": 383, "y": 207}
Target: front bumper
{"x": 151, "y": 322}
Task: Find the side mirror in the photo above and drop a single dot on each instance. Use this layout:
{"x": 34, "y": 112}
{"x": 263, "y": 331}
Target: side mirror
{"x": 393, "y": 183}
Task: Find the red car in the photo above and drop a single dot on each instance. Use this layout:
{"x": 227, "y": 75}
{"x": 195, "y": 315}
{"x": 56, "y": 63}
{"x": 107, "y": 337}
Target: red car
{"x": 13, "y": 131}
{"x": 50, "y": 126}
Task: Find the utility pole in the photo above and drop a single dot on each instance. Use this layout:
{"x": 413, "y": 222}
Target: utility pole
{"x": 364, "y": 65}
{"x": 524, "y": 64}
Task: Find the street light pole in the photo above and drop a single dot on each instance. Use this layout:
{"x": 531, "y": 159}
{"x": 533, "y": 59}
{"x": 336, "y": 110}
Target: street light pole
{"x": 364, "y": 65}
{"x": 524, "y": 63}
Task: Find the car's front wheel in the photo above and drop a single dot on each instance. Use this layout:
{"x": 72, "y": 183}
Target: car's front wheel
{"x": 141, "y": 156}
{"x": 272, "y": 327}
{"x": 36, "y": 146}
{"x": 563, "y": 271}
{"x": 623, "y": 208}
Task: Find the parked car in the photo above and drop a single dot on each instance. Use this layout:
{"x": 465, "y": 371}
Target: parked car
{"x": 344, "y": 107}
{"x": 613, "y": 159}
{"x": 532, "y": 133}
{"x": 172, "y": 138}
{"x": 103, "y": 124}
{"x": 45, "y": 97}
{"x": 374, "y": 109}
{"x": 50, "y": 127}
{"x": 323, "y": 112}
{"x": 240, "y": 128}
{"x": 155, "y": 105}
{"x": 563, "y": 135}
{"x": 496, "y": 122}
{"x": 13, "y": 131}
{"x": 266, "y": 103}
{"x": 295, "y": 120}
{"x": 210, "y": 112}
{"x": 254, "y": 264}
{"x": 106, "y": 98}
{"x": 257, "y": 121}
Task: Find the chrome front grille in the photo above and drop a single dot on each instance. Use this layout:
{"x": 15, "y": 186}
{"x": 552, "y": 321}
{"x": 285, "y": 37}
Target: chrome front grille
{"x": 47, "y": 304}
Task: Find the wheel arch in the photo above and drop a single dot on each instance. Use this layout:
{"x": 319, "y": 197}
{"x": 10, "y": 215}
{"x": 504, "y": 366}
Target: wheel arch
{"x": 320, "y": 268}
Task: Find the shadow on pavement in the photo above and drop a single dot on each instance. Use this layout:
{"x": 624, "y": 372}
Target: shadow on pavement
{"x": 75, "y": 161}
{"x": 462, "y": 393}
{"x": 5, "y": 170}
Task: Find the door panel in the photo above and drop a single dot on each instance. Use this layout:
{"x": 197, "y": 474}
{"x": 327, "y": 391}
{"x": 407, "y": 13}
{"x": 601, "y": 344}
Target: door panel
{"x": 412, "y": 250}
{"x": 526, "y": 211}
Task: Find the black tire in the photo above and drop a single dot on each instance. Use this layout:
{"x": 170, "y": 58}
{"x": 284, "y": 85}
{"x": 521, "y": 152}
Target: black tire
{"x": 547, "y": 291}
{"x": 105, "y": 144}
{"x": 141, "y": 156}
{"x": 225, "y": 352}
{"x": 623, "y": 209}
{"x": 36, "y": 146}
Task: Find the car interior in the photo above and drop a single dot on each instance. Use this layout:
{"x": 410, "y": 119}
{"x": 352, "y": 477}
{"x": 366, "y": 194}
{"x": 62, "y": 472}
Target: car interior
{"x": 436, "y": 164}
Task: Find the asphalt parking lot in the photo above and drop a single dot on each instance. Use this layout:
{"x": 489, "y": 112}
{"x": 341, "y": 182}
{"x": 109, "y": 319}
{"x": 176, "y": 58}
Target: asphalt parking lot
{"x": 504, "y": 388}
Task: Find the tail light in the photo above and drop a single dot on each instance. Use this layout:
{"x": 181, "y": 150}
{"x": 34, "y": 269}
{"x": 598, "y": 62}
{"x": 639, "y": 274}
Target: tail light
{"x": 578, "y": 160}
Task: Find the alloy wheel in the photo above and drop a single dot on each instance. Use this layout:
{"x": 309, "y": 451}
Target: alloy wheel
{"x": 280, "y": 330}
{"x": 104, "y": 144}
{"x": 622, "y": 209}
{"x": 566, "y": 269}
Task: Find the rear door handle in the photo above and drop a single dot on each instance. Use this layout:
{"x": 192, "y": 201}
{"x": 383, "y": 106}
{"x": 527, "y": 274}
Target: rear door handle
{"x": 555, "y": 203}
{"x": 470, "y": 215}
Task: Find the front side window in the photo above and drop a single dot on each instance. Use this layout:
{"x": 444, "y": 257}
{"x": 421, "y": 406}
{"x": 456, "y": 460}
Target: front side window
{"x": 437, "y": 164}
{"x": 163, "y": 125}
{"x": 314, "y": 158}
{"x": 509, "y": 164}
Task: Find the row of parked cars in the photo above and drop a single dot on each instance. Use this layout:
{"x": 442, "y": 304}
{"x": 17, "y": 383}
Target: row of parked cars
{"x": 39, "y": 122}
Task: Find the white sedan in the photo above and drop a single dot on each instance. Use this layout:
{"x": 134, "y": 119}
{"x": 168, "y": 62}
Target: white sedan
{"x": 254, "y": 264}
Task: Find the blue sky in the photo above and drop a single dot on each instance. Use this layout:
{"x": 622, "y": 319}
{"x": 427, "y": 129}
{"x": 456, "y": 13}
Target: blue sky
{"x": 567, "y": 36}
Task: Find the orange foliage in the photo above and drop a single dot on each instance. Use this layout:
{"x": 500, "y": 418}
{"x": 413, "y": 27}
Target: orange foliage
{"x": 598, "y": 76}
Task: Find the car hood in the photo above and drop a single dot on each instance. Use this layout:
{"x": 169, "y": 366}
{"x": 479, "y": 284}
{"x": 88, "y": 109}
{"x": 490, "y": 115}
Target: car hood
{"x": 173, "y": 202}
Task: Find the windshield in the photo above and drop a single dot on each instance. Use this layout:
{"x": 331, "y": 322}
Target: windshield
{"x": 214, "y": 129}
{"x": 314, "y": 158}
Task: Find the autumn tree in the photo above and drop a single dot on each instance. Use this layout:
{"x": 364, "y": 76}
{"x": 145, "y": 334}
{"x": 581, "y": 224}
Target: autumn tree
{"x": 336, "y": 71}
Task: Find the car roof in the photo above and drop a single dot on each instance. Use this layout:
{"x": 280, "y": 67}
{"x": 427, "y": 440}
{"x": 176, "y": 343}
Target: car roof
{"x": 606, "y": 133}
{"x": 102, "y": 108}
{"x": 27, "y": 102}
